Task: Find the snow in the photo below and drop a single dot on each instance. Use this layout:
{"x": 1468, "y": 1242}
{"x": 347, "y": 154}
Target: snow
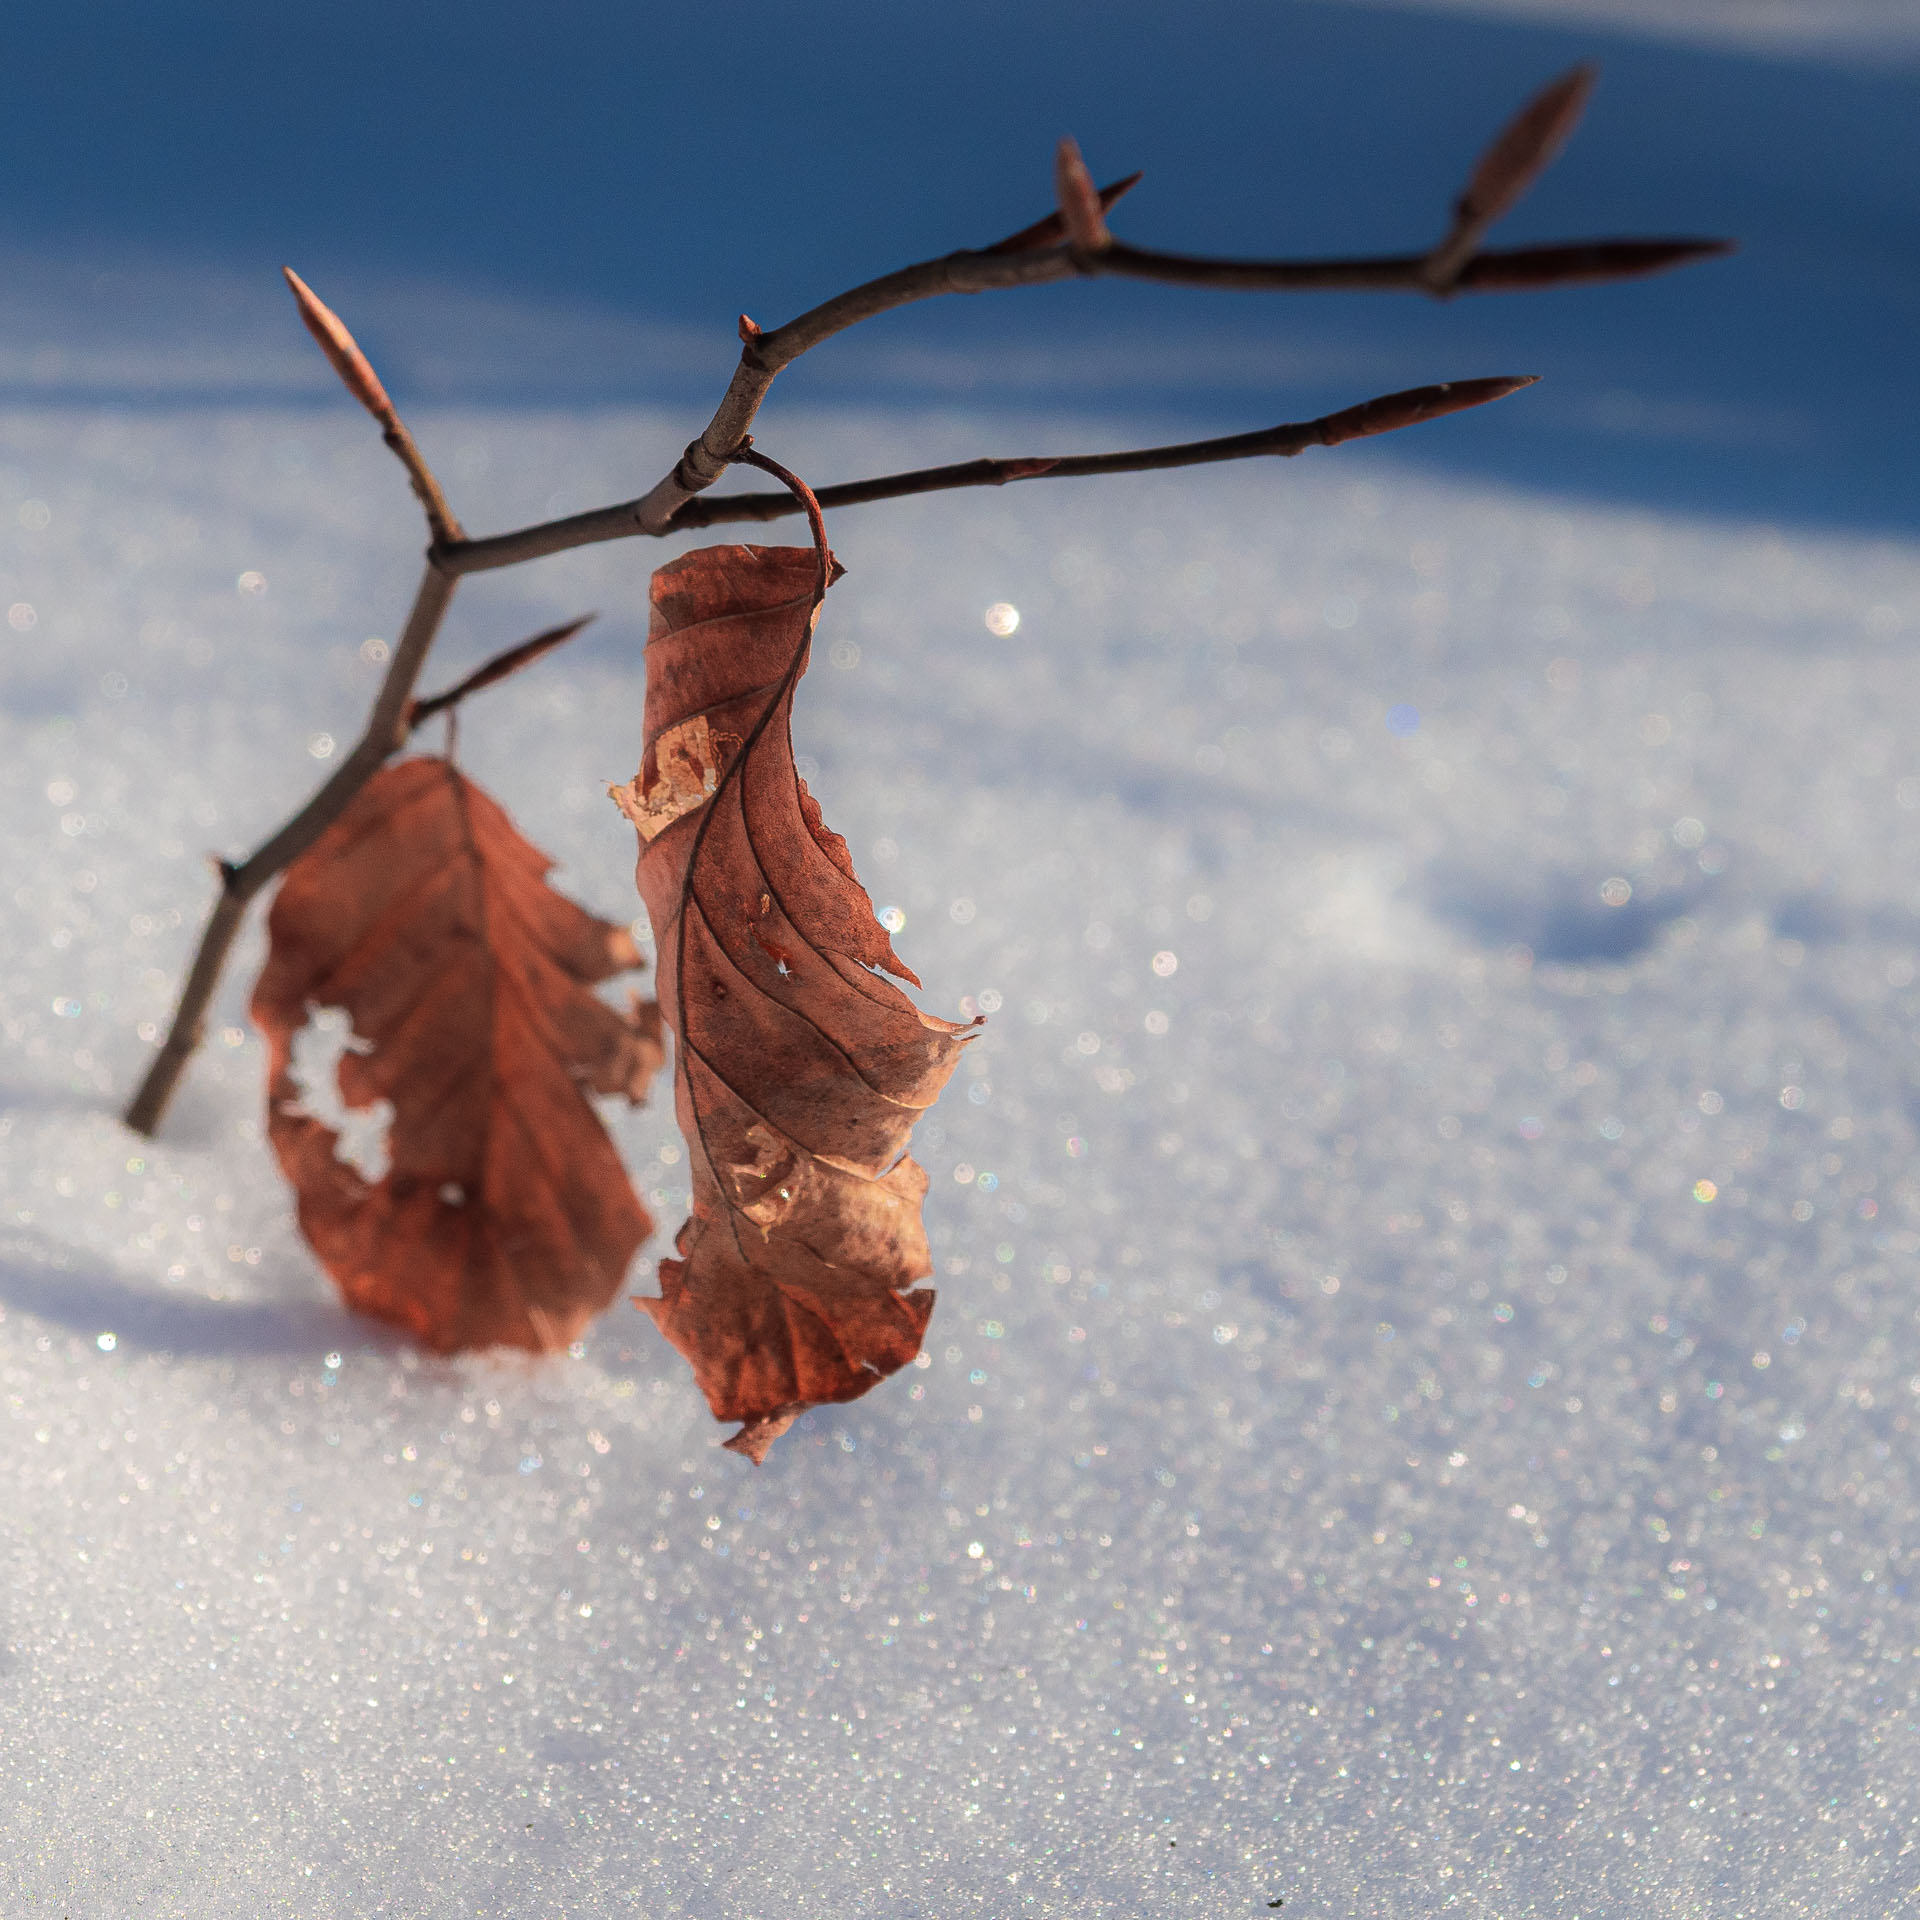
{"x": 1851, "y": 30}
{"x": 1420, "y": 1411}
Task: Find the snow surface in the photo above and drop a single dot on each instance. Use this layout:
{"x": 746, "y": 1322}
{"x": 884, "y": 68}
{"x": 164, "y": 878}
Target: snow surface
{"x": 1421, "y": 1410}
{"x": 1852, "y": 30}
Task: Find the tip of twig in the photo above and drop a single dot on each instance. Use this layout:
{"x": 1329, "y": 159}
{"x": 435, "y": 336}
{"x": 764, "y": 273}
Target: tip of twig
{"x": 1518, "y": 155}
{"x": 1527, "y": 144}
{"x": 342, "y": 350}
{"x": 1393, "y": 411}
{"x": 749, "y": 330}
{"x": 1082, "y": 212}
{"x": 1568, "y": 265}
{"x": 1051, "y": 231}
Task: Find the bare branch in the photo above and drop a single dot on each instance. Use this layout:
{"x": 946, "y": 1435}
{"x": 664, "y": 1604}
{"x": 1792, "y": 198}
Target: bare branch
{"x": 354, "y": 368}
{"x": 1523, "y": 268}
{"x": 1384, "y": 415}
{"x": 763, "y": 358}
{"x": 1074, "y": 242}
{"x": 1071, "y": 242}
{"x": 498, "y": 668}
{"x": 1520, "y": 153}
{"x": 385, "y": 733}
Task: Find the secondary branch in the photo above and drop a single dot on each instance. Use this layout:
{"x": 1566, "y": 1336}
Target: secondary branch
{"x": 386, "y": 732}
{"x": 1384, "y": 415}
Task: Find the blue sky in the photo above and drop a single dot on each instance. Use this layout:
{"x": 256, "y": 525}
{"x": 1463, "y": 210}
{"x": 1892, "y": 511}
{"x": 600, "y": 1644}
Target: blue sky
{"x": 575, "y": 209}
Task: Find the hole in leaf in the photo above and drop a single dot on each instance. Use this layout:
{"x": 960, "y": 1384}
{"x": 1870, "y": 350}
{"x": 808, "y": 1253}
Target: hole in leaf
{"x": 363, "y": 1132}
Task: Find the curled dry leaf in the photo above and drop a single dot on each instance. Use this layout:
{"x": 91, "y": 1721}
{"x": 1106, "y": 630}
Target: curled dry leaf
{"x": 505, "y": 1217}
{"x": 799, "y": 1071}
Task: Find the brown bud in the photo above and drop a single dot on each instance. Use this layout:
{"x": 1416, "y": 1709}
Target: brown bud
{"x": 1050, "y": 231}
{"x": 1080, "y": 209}
{"x": 1408, "y": 409}
{"x": 1524, "y": 147}
{"x": 1589, "y": 260}
{"x": 342, "y": 351}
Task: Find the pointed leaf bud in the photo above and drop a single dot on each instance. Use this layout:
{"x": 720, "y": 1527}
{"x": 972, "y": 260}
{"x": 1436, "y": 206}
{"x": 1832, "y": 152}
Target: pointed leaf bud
{"x": 1051, "y": 231}
{"x": 342, "y": 350}
{"x": 1080, "y": 209}
{"x": 1517, "y": 157}
{"x": 1393, "y": 411}
{"x": 1524, "y": 148}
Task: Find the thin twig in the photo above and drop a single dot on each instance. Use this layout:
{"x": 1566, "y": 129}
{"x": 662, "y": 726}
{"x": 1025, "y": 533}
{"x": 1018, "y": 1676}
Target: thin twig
{"x": 1086, "y": 248}
{"x": 1073, "y": 241}
{"x": 388, "y": 724}
{"x": 356, "y": 372}
{"x": 496, "y": 669}
{"x": 1384, "y": 415}
{"x": 385, "y": 733}
{"x": 764, "y": 356}
{"x": 1495, "y": 271}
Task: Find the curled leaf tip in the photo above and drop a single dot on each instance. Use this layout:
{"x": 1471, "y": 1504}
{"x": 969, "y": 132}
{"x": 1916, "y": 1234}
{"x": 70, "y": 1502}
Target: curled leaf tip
{"x": 756, "y": 1438}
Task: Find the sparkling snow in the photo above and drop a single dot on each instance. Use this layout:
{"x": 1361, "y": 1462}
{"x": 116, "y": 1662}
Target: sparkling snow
{"x": 1421, "y": 1410}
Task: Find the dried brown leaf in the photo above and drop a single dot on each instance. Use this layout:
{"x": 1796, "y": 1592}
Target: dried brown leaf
{"x": 505, "y": 1217}
{"x": 799, "y": 1071}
